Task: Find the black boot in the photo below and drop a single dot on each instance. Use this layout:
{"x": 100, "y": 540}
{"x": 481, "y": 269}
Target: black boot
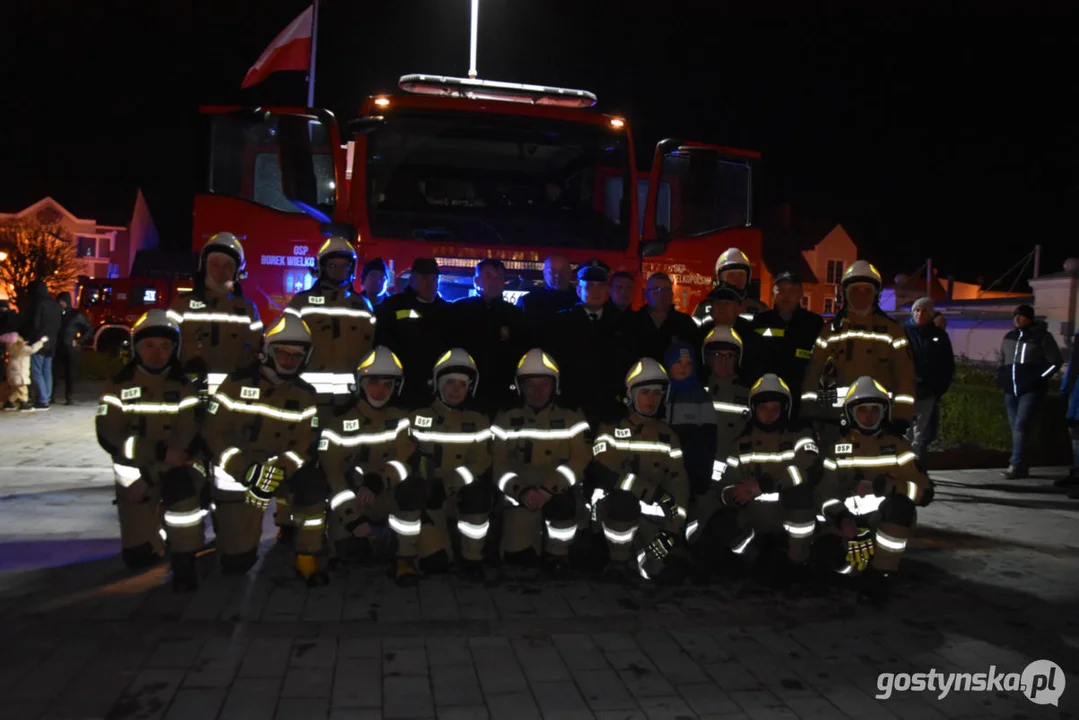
{"x": 184, "y": 575}
{"x": 873, "y": 587}
{"x": 555, "y": 567}
{"x": 238, "y": 564}
{"x": 286, "y": 534}
{"x": 471, "y": 570}
{"x": 140, "y": 557}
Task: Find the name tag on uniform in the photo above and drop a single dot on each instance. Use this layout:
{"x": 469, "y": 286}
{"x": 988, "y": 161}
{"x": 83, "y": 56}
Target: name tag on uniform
{"x": 598, "y": 448}
{"x": 103, "y": 409}
{"x": 810, "y": 447}
{"x": 196, "y": 304}
{"x": 249, "y": 393}
{"x": 423, "y": 422}
{"x": 214, "y": 407}
{"x": 844, "y": 449}
{"x": 323, "y": 444}
{"x": 314, "y": 421}
{"x": 622, "y": 432}
{"x": 351, "y": 425}
{"x": 803, "y": 354}
{"x": 131, "y": 393}
{"x": 316, "y": 300}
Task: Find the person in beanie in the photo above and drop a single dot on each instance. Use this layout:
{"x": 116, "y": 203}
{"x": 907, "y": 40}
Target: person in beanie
{"x": 691, "y": 415}
{"x": 1028, "y": 358}
{"x": 934, "y": 368}
{"x": 373, "y": 277}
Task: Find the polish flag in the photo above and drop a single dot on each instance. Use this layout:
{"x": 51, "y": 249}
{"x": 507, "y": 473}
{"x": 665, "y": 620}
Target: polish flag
{"x": 291, "y": 50}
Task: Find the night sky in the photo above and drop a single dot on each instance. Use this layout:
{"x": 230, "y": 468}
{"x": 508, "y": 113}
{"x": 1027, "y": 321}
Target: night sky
{"x": 927, "y": 131}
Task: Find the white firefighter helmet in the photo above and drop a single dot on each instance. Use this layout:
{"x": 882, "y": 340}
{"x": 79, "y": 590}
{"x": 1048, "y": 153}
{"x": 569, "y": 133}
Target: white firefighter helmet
{"x": 734, "y": 259}
{"x": 381, "y": 363}
{"x": 536, "y": 363}
{"x": 722, "y": 337}
{"x": 155, "y": 323}
{"x": 336, "y": 246}
{"x": 867, "y": 391}
{"x": 288, "y": 330}
{"x": 646, "y": 373}
{"x": 770, "y": 387}
{"x": 862, "y": 271}
{"x": 456, "y": 363}
{"x": 224, "y": 242}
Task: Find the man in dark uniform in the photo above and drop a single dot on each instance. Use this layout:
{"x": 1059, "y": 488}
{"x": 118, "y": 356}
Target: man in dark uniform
{"x": 542, "y": 305}
{"x": 657, "y": 325}
{"x": 722, "y": 307}
{"x": 784, "y": 336}
{"x": 417, "y": 326}
{"x": 492, "y": 331}
{"x": 593, "y": 348}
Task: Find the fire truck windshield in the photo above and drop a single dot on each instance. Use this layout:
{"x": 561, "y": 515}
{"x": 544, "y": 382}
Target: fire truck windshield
{"x": 483, "y": 179}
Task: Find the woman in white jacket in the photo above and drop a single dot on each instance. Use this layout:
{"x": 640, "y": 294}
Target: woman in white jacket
{"x": 18, "y": 370}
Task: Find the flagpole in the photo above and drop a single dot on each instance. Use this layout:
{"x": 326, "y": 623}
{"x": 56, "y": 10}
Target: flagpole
{"x": 314, "y": 52}
{"x": 475, "y": 31}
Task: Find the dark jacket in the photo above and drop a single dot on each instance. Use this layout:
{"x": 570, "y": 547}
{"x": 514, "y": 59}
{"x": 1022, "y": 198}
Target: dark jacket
{"x": 934, "y": 360}
{"x": 652, "y": 341}
{"x": 419, "y": 333}
{"x": 1028, "y": 358}
{"x": 1069, "y": 386}
{"x": 692, "y": 416}
{"x": 541, "y": 308}
{"x": 594, "y": 358}
{"x": 73, "y": 325}
{"x": 42, "y": 319}
{"x": 494, "y": 335}
{"x": 783, "y": 347}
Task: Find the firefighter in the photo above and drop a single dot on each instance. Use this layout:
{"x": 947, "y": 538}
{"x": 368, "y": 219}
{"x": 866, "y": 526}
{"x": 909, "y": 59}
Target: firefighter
{"x": 724, "y": 304}
{"x": 221, "y": 329}
{"x": 722, "y": 352}
{"x": 643, "y": 483}
{"x": 764, "y": 488}
{"x": 146, "y": 422}
{"x": 455, "y": 443}
{"x": 733, "y": 268}
{"x": 869, "y": 492}
{"x": 860, "y": 340}
{"x": 539, "y": 453}
{"x": 342, "y": 332}
{"x": 785, "y": 335}
{"x": 261, "y": 428}
{"x": 365, "y": 451}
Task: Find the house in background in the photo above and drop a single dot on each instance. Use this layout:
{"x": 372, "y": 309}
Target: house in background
{"x": 818, "y": 251}
{"x": 105, "y": 249}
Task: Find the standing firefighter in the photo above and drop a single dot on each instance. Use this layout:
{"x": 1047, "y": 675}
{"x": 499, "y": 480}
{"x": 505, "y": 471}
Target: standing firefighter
{"x": 539, "y": 454}
{"x": 365, "y": 451}
{"x": 146, "y": 422}
{"x": 730, "y": 396}
{"x": 342, "y": 331}
{"x": 871, "y": 486}
{"x": 261, "y": 429}
{"x": 860, "y": 340}
{"x": 220, "y": 328}
{"x": 642, "y": 480}
{"x": 455, "y": 478}
{"x": 733, "y": 268}
{"x": 765, "y": 488}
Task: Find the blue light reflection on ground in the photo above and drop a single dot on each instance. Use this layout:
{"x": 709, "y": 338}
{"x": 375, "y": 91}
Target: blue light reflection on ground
{"x": 39, "y": 554}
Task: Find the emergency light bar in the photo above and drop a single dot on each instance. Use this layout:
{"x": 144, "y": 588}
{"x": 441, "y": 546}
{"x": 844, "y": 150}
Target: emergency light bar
{"x": 475, "y": 89}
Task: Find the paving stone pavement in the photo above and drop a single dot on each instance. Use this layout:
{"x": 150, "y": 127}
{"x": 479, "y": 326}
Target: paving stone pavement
{"x": 991, "y": 580}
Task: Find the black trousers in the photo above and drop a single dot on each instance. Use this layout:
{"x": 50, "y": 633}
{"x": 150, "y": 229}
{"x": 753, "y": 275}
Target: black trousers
{"x": 65, "y": 365}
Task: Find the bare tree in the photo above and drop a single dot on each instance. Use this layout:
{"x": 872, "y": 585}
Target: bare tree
{"x": 36, "y": 252}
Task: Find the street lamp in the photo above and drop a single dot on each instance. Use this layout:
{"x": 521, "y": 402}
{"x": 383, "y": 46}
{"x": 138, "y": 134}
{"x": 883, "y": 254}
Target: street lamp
{"x": 3, "y": 256}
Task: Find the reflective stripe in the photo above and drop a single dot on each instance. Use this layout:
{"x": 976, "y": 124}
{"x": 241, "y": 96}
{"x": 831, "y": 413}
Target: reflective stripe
{"x": 879, "y": 461}
{"x": 227, "y": 455}
{"x": 767, "y": 457}
{"x": 767, "y": 497}
{"x": 627, "y": 482}
{"x": 212, "y": 317}
{"x": 830, "y": 464}
{"x": 675, "y": 453}
{"x": 150, "y": 408}
{"x": 538, "y": 434}
{"x": 409, "y": 528}
{"x": 772, "y": 332}
{"x": 741, "y": 547}
{"x": 465, "y": 474}
{"x": 862, "y": 335}
{"x": 642, "y": 558}
{"x": 718, "y": 468}
{"x": 619, "y": 537}
{"x": 567, "y": 472}
{"x": 862, "y": 505}
{"x": 214, "y": 380}
{"x": 565, "y": 534}
{"x": 225, "y": 482}
{"x": 265, "y": 410}
{"x": 125, "y": 475}
{"x": 184, "y": 519}
{"x": 730, "y": 408}
{"x": 635, "y": 445}
{"x": 653, "y": 509}
{"x": 912, "y": 490}
{"x": 1049, "y": 371}
{"x": 796, "y": 477}
{"x": 841, "y": 396}
{"x": 692, "y": 528}
{"x": 807, "y": 444}
{"x": 310, "y": 521}
{"x": 799, "y": 530}
{"x": 341, "y": 498}
{"x": 399, "y": 468}
{"x": 328, "y": 383}
{"x": 809, "y": 396}
{"x": 733, "y": 461}
{"x": 366, "y": 438}
{"x": 294, "y": 459}
{"x": 890, "y": 543}
{"x": 829, "y": 503}
{"x": 900, "y": 343}
{"x": 451, "y": 437}
{"x": 904, "y": 399}
{"x": 330, "y": 311}
{"x": 255, "y": 326}
{"x": 505, "y": 480}
{"x": 472, "y": 530}
{"x": 175, "y": 316}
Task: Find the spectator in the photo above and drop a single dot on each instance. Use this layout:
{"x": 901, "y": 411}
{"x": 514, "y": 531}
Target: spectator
{"x": 934, "y": 368}
{"x": 691, "y": 415}
{"x": 73, "y": 326}
{"x": 373, "y": 279}
{"x": 622, "y": 291}
{"x": 657, "y": 326}
{"x": 42, "y": 320}
{"x": 1028, "y": 358}
{"x": 542, "y": 305}
{"x": 1070, "y": 389}
{"x": 20, "y": 353}
{"x": 9, "y": 323}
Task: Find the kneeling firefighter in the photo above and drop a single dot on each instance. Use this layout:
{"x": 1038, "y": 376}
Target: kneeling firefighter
{"x": 146, "y": 422}
{"x": 262, "y": 427}
{"x": 868, "y": 496}
{"x": 453, "y": 479}
{"x": 643, "y": 489}
{"x": 539, "y": 454}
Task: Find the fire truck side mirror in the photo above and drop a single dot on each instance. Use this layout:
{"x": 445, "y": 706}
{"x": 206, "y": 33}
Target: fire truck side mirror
{"x": 297, "y": 160}
{"x": 367, "y": 124}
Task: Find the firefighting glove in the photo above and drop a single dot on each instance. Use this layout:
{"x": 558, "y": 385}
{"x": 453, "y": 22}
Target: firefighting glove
{"x": 661, "y": 546}
{"x": 827, "y": 397}
{"x": 667, "y": 502}
{"x": 860, "y": 550}
{"x": 262, "y": 482}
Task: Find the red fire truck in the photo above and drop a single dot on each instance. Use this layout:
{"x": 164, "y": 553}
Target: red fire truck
{"x": 112, "y": 306}
{"x": 463, "y": 169}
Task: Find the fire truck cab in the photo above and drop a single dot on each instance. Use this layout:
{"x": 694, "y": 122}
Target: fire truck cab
{"x": 464, "y": 169}
{"x": 112, "y": 306}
